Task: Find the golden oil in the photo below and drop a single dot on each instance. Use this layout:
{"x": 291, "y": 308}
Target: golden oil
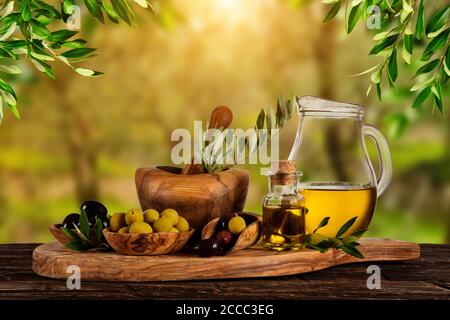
{"x": 284, "y": 227}
{"x": 340, "y": 203}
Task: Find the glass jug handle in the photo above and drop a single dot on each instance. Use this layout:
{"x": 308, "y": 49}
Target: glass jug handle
{"x": 384, "y": 157}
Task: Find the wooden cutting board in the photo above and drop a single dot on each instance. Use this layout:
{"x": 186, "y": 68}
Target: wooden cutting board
{"x": 52, "y": 259}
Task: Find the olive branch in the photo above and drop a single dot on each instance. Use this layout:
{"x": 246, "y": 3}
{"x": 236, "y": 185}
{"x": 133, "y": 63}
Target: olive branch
{"x": 213, "y": 157}
{"x": 29, "y": 29}
{"x": 86, "y": 237}
{"x": 347, "y": 244}
{"x": 404, "y": 26}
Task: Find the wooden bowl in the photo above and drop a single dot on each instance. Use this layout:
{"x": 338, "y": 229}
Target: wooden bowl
{"x": 58, "y": 234}
{"x": 62, "y": 238}
{"x": 247, "y": 238}
{"x": 147, "y": 244}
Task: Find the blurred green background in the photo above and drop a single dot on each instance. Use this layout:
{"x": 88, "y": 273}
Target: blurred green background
{"x": 83, "y": 138}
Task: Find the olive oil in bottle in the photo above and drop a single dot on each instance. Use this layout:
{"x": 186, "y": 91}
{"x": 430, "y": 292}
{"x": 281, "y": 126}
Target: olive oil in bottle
{"x": 283, "y": 211}
{"x": 284, "y": 227}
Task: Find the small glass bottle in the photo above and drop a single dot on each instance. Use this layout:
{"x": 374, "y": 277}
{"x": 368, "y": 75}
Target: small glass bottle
{"x": 283, "y": 212}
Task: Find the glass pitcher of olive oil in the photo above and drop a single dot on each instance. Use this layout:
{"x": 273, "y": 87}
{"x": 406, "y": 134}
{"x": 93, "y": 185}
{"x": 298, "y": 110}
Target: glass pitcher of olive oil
{"x": 339, "y": 179}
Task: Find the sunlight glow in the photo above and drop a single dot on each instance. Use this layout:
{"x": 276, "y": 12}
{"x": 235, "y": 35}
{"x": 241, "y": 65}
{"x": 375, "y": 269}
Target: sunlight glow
{"x": 229, "y": 4}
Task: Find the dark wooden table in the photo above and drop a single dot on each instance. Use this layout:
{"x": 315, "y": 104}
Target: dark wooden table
{"x": 426, "y": 278}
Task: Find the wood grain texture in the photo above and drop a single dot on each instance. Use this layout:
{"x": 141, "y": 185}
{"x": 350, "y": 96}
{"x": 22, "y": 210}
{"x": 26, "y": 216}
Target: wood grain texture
{"x": 52, "y": 259}
{"x": 58, "y": 234}
{"x": 425, "y": 278}
{"x": 147, "y": 244}
{"x": 198, "y": 198}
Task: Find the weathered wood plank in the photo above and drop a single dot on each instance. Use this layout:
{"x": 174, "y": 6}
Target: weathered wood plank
{"x": 260, "y": 289}
{"x": 425, "y": 278}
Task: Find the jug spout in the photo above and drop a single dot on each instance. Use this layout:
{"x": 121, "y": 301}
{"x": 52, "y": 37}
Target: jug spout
{"x": 318, "y": 107}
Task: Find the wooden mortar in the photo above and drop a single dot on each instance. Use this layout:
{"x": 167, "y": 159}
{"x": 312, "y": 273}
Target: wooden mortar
{"x": 198, "y": 198}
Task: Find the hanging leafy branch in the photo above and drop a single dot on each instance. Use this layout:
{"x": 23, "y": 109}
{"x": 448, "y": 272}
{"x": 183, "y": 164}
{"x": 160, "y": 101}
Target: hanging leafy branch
{"x": 29, "y": 30}
{"x": 403, "y": 25}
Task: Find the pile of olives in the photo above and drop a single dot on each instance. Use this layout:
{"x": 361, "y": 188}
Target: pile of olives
{"x": 149, "y": 221}
{"x": 226, "y": 234}
{"x": 93, "y": 209}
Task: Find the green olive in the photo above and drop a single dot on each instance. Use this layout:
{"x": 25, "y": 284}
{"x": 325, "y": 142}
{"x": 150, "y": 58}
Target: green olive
{"x": 236, "y": 225}
{"x": 117, "y": 221}
{"x": 171, "y": 214}
{"x": 163, "y": 224}
{"x": 151, "y": 215}
{"x": 140, "y": 227}
{"x": 182, "y": 225}
{"x": 134, "y": 215}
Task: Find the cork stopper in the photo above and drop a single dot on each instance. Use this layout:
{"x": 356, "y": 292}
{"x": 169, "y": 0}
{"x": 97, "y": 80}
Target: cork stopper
{"x": 284, "y": 166}
{"x": 285, "y": 174}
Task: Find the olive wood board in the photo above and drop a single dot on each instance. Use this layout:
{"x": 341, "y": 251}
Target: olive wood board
{"x": 52, "y": 259}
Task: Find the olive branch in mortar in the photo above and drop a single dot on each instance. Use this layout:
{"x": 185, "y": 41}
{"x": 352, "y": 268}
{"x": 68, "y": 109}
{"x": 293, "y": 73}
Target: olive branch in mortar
{"x": 213, "y": 157}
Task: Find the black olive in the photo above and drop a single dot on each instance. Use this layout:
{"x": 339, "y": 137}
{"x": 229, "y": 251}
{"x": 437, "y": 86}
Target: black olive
{"x": 223, "y": 222}
{"x": 225, "y": 239}
{"x": 94, "y": 209}
{"x": 192, "y": 248}
{"x": 209, "y": 247}
{"x": 70, "y": 220}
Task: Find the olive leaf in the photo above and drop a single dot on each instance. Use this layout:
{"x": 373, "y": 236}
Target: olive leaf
{"x": 322, "y": 223}
{"x": 260, "y": 120}
{"x": 348, "y": 244}
{"x": 392, "y": 67}
{"x": 82, "y": 237}
{"x": 436, "y": 44}
{"x": 421, "y": 97}
{"x": 333, "y": 12}
{"x": 72, "y": 235}
{"x": 76, "y": 245}
{"x": 353, "y": 17}
{"x": 95, "y": 9}
{"x": 420, "y": 24}
{"x": 98, "y": 227}
{"x": 84, "y": 224}
{"x": 351, "y": 250}
{"x": 346, "y": 226}
{"x": 428, "y": 67}
{"x": 438, "y": 19}
{"x": 408, "y": 44}
{"x": 384, "y": 43}
{"x": 358, "y": 234}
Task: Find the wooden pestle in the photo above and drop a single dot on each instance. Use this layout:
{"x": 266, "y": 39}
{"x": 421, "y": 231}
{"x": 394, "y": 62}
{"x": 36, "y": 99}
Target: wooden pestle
{"x": 221, "y": 118}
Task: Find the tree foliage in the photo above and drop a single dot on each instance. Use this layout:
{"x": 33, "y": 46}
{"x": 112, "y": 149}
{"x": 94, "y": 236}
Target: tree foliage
{"x": 34, "y": 30}
{"x": 415, "y": 31}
